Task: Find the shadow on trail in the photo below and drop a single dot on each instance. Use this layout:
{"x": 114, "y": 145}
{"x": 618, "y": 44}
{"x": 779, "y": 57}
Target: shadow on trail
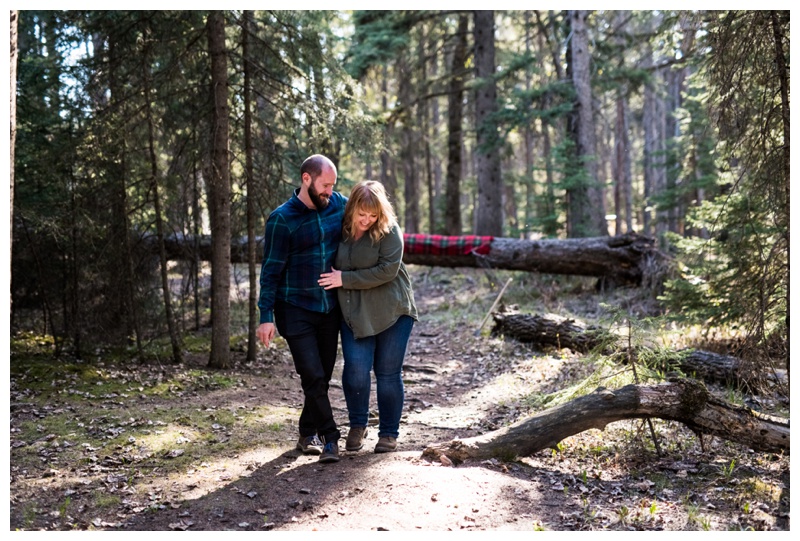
{"x": 363, "y": 491}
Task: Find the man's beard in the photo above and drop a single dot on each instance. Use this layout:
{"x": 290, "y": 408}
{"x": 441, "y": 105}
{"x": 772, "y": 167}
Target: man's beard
{"x": 320, "y": 200}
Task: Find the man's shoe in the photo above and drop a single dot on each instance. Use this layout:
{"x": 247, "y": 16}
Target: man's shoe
{"x": 386, "y": 444}
{"x": 355, "y": 438}
{"x": 330, "y": 453}
{"x": 309, "y": 445}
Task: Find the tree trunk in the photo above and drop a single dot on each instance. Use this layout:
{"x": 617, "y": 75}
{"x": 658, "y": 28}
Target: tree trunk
{"x": 648, "y": 150}
{"x": 489, "y": 208}
{"x": 219, "y": 200}
{"x": 527, "y": 141}
{"x": 247, "y": 23}
{"x": 73, "y": 318}
{"x": 13, "y": 121}
{"x": 409, "y": 149}
{"x": 548, "y": 42}
{"x": 783, "y": 77}
{"x": 622, "y": 160}
{"x": 654, "y": 125}
{"x": 585, "y": 198}
{"x": 196, "y": 231}
{"x": 119, "y": 175}
{"x": 433, "y": 154}
{"x": 455, "y": 115}
{"x": 624, "y": 259}
{"x": 388, "y": 179}
{"x": 175, "y": 340}
{"x": 423, "y": 127}
{"x": 685, "y": 401}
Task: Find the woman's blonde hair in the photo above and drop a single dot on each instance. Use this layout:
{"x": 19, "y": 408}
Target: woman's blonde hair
{"x": 369, "y": 196}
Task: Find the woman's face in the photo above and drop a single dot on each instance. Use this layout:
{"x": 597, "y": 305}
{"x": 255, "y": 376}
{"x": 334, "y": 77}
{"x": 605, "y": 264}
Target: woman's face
{"x": 363, "y": 220}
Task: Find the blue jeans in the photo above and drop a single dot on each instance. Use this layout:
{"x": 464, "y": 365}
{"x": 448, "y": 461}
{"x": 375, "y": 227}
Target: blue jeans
{"x": 313, "y": 339}
{"x": 383, "y": 353}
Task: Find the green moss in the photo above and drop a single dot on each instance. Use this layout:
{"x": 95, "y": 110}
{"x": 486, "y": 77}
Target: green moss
{"x": 105, "y": 500}
{"x": 760, "y": 490}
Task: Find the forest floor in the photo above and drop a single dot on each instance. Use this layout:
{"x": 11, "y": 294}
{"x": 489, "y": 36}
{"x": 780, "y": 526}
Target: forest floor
{"x": 102, "y": 445}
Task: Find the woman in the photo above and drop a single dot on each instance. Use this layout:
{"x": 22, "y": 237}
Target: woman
{"x": 378, "y": 311}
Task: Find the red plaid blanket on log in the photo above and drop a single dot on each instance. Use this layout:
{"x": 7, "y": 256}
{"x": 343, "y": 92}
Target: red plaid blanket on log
{"x": 419, "y": 244}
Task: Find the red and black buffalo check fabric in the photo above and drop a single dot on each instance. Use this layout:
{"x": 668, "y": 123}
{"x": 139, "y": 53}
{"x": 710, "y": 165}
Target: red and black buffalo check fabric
{"x": 419, "y": 244}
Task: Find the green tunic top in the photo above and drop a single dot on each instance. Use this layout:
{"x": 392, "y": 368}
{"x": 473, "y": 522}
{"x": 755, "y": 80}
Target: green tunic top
{"x": 376, "y": 289}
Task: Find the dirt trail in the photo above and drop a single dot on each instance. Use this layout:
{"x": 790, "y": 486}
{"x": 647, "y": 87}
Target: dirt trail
{"x": 457, "y": 386}
{"x": 449, "y": 392}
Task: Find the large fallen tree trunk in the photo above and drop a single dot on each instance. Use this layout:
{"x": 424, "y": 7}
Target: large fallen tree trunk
{"x": 682, "y": 400}
{"x": 623, "y": 259}
{"x": 566, "y": 333}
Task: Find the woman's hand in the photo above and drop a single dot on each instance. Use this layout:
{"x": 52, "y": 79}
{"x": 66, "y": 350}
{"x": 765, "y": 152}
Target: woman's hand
{"x": 330, "y": 280}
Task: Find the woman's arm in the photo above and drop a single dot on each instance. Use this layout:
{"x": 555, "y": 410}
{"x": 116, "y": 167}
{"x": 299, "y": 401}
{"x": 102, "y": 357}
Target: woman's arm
{"x": 390, "y": 255}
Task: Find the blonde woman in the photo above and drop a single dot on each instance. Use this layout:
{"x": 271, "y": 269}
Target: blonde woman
{"x": 378, "y": 310}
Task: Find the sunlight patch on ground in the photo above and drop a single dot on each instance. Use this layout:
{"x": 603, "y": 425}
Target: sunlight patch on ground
{"x": 209, "y": 475}
{"x": 507, "y": 388}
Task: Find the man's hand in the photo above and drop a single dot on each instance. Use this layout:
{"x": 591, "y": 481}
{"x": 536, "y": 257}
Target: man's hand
{"x": 266, "y": 332}
{"x": 330, "y": 280}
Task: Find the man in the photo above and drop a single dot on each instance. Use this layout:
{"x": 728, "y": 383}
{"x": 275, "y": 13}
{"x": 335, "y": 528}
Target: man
{"x": 300, "y": 242}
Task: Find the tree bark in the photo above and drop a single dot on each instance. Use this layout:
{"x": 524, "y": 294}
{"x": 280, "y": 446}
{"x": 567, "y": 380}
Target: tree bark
{"x": 219, "y": 200}
{"x": 13, "y": 121}
{"x": 121, "y": 225}
{"x": 682, "y": 400}
{"x": 586, "y": 204}
{"x": 489, "y": 208}
{"x": 655, "y": 178}
{"x": 252, "y": 300}
{"x": 549, "y": 332}
{"x": 783, "y": 77}
{"x": 624, "y": 259}
{"x": 527, "y": 141}
{"x": 409, "y": 149}
{"x": 388, "y": 177}
{"x": 455, "y": 115}
{"x": 548, "y": 42}
{"x": 623, "y": 198}
{"x": 705, "y": 365}
{"x": 432, "y": 151}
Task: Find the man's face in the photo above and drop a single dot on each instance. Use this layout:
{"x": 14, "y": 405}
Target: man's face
{"x": 321, "y": 189}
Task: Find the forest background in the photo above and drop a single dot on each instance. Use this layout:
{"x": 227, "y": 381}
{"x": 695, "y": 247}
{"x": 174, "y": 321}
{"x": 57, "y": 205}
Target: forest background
{"x": 136, "y": 131}
{"x": 130, "y": 128}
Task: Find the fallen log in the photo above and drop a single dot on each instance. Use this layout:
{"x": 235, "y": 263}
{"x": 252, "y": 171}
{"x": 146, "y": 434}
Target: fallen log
{"x": 566, "y": 333}
{"x": 620, "y": 260}
{"x": 682, "y": 400}
{"x": 548, "y": 331}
